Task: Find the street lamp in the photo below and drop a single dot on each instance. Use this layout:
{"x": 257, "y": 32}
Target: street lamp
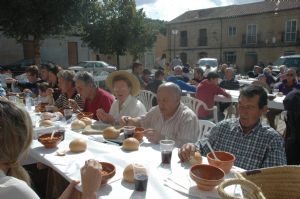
{"x": 174, "y": 32}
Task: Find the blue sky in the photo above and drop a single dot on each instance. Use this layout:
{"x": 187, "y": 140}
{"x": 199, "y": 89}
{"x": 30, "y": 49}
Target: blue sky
{"x": 170, "y": 9}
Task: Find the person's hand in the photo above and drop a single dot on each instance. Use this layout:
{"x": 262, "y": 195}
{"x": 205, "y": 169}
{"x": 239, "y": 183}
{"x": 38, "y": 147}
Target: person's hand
{"x": 124, "y": 121}
{"x": 73, "y": 104}
{"x": 90, "y": 178}
{"x": 10, "y": 80}
{"x": 185, "y": 152}
{"x": 152, "y": 135}
{"x": 69, "y": 190}
{"x": 49, "y": 91}
{"x": 103, "y": 116}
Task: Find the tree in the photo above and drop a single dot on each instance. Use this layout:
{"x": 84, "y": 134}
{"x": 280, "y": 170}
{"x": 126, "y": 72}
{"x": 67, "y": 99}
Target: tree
{"x": 37, "y": 19}
{"x": 117, "y": 27}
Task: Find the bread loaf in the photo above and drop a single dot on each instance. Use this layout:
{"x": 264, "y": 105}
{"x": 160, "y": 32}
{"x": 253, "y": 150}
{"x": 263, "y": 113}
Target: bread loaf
{"x": 77, "y": 124}
{"x": 128, "y": 174}
{"x": 111, "y": 133}
{"x": 131, "y": 144}
{"x": 86, "y": 120}
{"x": 77, "y": 145}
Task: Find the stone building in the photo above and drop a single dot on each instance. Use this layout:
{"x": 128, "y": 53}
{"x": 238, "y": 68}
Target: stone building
{"x": 242, "y": 35}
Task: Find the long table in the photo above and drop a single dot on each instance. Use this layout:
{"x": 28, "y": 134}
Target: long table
{"x": 276, "y": 103}
{"x": 68, "y": 166}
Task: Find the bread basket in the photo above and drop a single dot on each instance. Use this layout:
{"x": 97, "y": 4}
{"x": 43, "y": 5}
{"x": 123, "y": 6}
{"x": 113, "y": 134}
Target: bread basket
{"x": 268, "y": 183}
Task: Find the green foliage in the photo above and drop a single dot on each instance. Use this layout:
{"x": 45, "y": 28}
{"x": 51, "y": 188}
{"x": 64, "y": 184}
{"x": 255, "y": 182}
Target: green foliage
{"x": 117, "y": 27}
{"x": 21, "y": 19}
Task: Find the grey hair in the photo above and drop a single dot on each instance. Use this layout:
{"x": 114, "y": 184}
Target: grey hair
{"x": 86, "y": 77}
{"x": 174, "y": 87}
{"x": 178, "y": 66}
{"x": 67, "y": 75}
{"x": 231, "y": 70}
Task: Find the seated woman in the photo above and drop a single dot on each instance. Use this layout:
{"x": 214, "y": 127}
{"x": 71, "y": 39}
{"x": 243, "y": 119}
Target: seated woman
{"x": 68, "y": 90}
{"x": 14, "y": 179}
{"x": 124, "y": 86}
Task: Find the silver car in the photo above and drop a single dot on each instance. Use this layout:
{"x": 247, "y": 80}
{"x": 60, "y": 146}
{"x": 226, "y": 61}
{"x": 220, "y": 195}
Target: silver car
{"x": 96, "y": 67}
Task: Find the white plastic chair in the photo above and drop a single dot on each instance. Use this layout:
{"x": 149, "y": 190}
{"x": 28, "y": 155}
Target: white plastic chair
{"x": 146, "y": 97}
{"x": 205, "y": 126}
{"x": 194, "y": 104}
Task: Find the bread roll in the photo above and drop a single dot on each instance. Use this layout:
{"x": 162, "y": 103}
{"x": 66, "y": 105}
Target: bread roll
{"x": 77, "y": 124}
{"x": 46, "y": 123}
{"x": 111, "y": 133}
{"x": 196, "y": 159}
{"x": 131, "y": 144}
{"x": 47, "y": 116}
{"x": 86, "y": 120}
{"x": 128, "y": 174}
{"x": 78, "y": 145}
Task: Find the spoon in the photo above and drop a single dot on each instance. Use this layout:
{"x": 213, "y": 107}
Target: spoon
{"x": 52, "y": 134}
{"x": 212, "y": 151}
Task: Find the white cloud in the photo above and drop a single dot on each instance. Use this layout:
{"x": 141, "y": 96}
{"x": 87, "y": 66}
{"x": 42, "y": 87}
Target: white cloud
{"x": 170, "y": 9}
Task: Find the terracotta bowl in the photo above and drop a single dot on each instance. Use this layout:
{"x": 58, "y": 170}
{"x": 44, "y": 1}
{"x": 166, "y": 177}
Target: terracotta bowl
{"x": 48, "y": 143}
{"x": 41, "y": 107}
{"x": 138, "y": 133}
{"x": 206, "y": 176}
{"x": 225, "y": 162}
{"x": 108, "y": 171}
{"x": 271, "y": 97}
{"x": 85, "y": 114}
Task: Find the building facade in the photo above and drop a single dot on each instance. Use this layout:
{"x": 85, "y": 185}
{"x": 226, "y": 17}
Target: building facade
{"x": 241, "y": 35}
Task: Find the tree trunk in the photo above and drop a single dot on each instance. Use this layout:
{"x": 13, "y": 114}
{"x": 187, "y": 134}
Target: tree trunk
{"x": 118, "y": 61}
{"x": 36, "y": 48}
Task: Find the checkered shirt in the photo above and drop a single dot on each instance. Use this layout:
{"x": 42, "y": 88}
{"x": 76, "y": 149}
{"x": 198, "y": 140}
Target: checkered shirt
{"x": 262, "y": 147}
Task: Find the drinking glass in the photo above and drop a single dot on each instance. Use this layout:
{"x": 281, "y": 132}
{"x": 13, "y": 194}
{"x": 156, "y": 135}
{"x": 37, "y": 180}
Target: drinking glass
{"x": 166, "y": 148}
{"x": 128, "y": 131}
{"x": 68, "y": 113}
{"x": 140, "y": 173}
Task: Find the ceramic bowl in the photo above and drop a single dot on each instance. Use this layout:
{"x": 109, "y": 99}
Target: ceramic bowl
{"x": 48, "y": 143}
{"x": 108, "y": 171}
{"x": 85, "y": 114}
{"x": 225, "y": 162}
{"x": 138, "y": 133}
{"x": 206, "y": 176}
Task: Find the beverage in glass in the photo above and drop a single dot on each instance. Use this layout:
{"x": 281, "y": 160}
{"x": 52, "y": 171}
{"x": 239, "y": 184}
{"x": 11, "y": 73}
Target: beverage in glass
{"x": 166, "y": 148}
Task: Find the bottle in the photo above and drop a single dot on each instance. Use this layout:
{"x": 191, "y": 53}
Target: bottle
{"x": 28, "y": 102}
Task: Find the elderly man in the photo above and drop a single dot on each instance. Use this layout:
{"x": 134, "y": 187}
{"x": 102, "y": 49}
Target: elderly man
{"x": 256, "y": 71}
{"x": 170, "y": 119}
{"x": 254, "y": 144}
{"x": 94, "y": 97}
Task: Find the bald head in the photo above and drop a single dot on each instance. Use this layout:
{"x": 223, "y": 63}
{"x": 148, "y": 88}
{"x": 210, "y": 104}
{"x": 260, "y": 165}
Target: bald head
{"x": 173, "y": 88}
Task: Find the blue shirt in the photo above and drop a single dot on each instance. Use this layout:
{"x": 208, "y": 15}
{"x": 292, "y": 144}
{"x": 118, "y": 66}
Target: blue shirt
{"x": 261, "y": 147}
{"x": 2, "y": 91}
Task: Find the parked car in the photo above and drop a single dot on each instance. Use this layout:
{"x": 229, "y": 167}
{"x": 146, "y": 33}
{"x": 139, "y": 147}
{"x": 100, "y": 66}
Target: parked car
{"x": 290, "y": 61}
{"x": 96, "y": 67}
{"x": 213, "y": 62}
{"x": 19, "y": 67}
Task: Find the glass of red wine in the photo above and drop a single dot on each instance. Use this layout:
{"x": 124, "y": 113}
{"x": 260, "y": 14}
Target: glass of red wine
{"x": 140, "y": 172}
{"x": 68, "y": 113}
{"x": 166, "y": 148}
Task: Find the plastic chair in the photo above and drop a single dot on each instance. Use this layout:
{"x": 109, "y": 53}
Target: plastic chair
{"x": 205, "y": 126}
{"x": 146, "y": 97}
{"x": 194, "y": 104}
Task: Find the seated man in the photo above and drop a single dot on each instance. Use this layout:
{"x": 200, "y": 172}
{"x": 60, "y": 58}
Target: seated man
{"x": 94, "y": 97}
{"x": 170, "y": 119}
{"x": 255, "y": 145}
{"x": 255, "y": 72}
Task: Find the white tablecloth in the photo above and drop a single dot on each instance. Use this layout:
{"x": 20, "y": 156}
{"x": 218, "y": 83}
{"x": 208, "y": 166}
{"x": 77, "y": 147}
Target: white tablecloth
{"x": 69, "y": 167}
{"x": 277, "y": 103}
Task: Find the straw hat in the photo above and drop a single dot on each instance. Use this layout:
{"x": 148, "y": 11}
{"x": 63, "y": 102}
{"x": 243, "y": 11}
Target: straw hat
{"x": 135, "y": 89}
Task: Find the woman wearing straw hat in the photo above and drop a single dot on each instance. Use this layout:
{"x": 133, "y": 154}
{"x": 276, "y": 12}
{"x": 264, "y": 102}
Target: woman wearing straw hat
{"x": 124, "y": 86}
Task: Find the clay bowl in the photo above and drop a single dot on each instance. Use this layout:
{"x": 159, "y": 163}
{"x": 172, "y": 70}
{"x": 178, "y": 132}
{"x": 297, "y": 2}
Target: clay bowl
{"x": 41, "y": 107}
{"x": 108, "y": 171}
{"x": 225, "y": 162}
{"x": 85, "y": 114}
{"x": 206, "y": 176}
{"x": 49, "y": 143}
{"x": 138, "y": 133}
{"x": 271, "y": 97}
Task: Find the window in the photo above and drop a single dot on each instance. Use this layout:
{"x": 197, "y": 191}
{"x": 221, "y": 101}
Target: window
{"x": 231, "y": 31}
{"x": 202, "y": 40}
{"x": 230, "y": 57}
{"x": 291, "y": 30}
{"x": 251, "y": 34}
{"x": 183, "y": 38}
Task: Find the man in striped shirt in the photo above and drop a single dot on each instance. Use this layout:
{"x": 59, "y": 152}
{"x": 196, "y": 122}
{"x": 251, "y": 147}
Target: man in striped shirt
{"x": 171, "y": 119}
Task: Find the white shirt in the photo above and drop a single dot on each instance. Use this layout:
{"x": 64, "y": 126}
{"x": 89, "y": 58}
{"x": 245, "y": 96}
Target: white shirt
{"x": 182, "y": 127}
{"x": 131, "y": 107}
{"x": 11, "y": 187}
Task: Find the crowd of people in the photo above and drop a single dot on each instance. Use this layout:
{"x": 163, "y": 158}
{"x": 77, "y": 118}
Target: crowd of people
{"x": 254, "y": 144}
